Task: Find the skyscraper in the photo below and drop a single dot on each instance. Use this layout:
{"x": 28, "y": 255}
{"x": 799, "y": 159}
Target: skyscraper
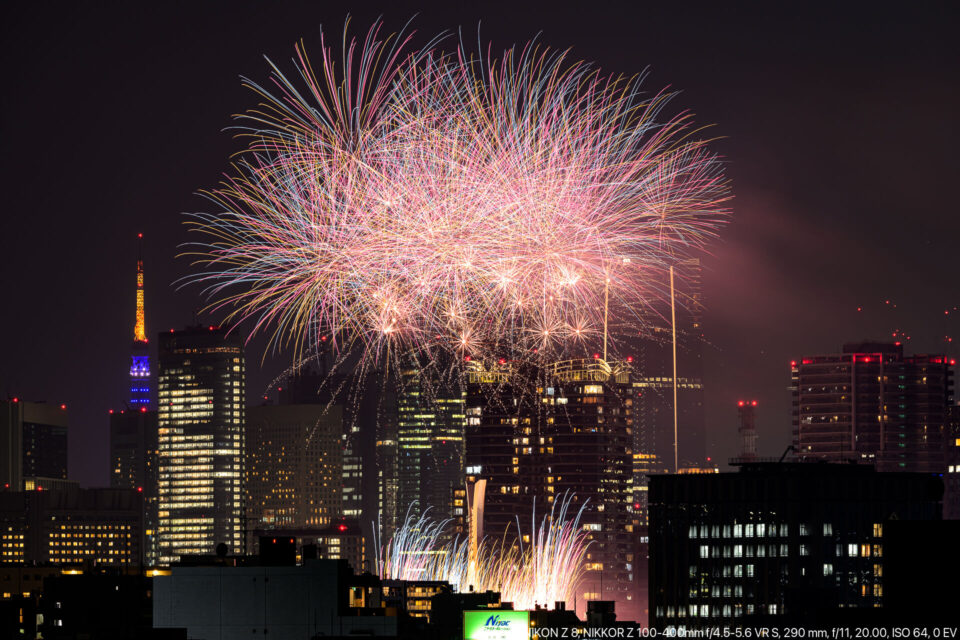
{"x": 200, "y": 394}
{"x": 872, "y": 404}
{"x": 542, "y": 434}
{"x": 386, "y": 467}
{"x": 133, "y": 465}
{"x": 140, "y": 358}
{"x": 34, "y": 436}
{"x": 429, "y": 442}
{"x": 294, "y": 465}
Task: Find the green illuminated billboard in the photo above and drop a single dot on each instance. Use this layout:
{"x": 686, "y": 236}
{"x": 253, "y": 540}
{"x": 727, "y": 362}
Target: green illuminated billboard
{"x": 496, "y": 624}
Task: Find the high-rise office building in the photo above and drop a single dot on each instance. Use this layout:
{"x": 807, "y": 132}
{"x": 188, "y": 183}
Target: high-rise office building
{"x": 388, "y": 512}
{"x": 294, "y": 465}
{"x": 653, "y": 377}
{"x": 872, "y": 404}
{"x": 542, "y": 434}
{"x": 133, "y": 449}
{"x": 775, "y": 539}
{"x": 429, "y": 463}
{"x": 133, "y": 465}
{"x": 34, "y": 436}
{"x": 200, "y": 396}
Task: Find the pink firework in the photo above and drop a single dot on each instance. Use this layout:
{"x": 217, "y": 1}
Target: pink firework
{"x": 422, "y": 200}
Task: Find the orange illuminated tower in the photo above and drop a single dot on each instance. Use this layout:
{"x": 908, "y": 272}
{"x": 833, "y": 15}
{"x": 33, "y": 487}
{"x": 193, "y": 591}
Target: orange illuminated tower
{"x": 140, "y": 366}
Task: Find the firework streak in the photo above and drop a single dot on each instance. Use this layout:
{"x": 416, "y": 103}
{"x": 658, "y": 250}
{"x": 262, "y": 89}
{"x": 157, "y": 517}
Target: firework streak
{"x": 424, "y": 200}
{"x": 541, "y": 573}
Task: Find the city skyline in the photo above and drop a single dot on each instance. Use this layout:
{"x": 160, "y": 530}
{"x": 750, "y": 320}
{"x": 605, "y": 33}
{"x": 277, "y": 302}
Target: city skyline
{"x": 396, "y": 319}
{"x": 762, "y": 283}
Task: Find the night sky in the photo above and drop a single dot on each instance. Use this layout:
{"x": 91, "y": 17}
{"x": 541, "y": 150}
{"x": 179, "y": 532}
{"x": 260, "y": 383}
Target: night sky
{"x": 840, "y": 134}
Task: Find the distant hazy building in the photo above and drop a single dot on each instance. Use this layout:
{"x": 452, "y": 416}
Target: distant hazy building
{"x": 133, "y": 465}
{"x": 775, "y": 539}
{"x": 34, "y": 437}
{"x": 133, "y": 449}
{"x": 294, "y": 465}
{"x": 872, "y": 404}
{"x": 747, "y": 429}
{"x": 653, "y": 374}
{"x": 71, "y": 526}
{"x": 543, "y": 433}
{"x": 200, "y": 393}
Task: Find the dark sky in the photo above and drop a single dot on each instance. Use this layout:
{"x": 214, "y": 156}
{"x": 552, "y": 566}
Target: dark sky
{"x": 839, "y": 125}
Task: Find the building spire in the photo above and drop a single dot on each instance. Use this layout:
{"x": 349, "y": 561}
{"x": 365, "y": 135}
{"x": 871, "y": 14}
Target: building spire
{"x": 140, "y": 329}
{"x": 140, "y": 365}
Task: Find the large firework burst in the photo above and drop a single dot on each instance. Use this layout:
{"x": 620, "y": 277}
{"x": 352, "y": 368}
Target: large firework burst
{"x": 420, "y": 200}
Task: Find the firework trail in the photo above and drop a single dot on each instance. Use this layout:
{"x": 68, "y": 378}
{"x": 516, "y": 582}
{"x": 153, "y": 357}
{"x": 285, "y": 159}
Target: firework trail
{"x": 541, "y": 573}
{"x": 411, "y": 199}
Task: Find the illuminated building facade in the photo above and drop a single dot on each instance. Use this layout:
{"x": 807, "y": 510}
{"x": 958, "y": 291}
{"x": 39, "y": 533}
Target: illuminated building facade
{"x": 71, "y": 526}
{"x": 201, "y": 462}
{"x": 351, "y": 476}
{"x": 140, "y": 392}
{"x": 429, "y": 462}
{"x": 386, "y": 457}
{"x": 872, "y": 404}
{"x": 294, "y": 465}
{"x": 35, "y": 442}
{"x": 416, "y": 597}
{"x": 539, "y": 434}
{"x": 653, "y": 381}
{"x": 775, "y": 539}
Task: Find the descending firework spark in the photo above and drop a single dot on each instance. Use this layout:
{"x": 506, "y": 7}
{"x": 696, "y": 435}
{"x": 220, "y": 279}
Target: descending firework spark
{"x": 542, "y": 573}
{"x": 426, "y": 200}
{"x": 416, "y": 553}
